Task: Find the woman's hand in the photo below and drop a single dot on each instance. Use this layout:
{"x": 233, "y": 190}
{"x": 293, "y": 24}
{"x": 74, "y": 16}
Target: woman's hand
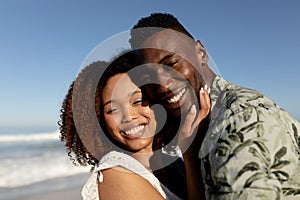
{"x": 191, "y": 136}
{"x": 192, "y": 121}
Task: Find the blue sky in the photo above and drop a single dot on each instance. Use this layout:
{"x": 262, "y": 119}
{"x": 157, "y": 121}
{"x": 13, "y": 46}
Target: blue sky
{"x": 43, "y": 43}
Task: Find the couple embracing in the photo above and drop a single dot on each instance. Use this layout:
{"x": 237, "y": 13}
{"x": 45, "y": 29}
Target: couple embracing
{"x": 235, "y": 143}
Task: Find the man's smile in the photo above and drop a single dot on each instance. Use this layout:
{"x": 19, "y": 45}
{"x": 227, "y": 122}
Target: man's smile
{"x": 176, "y": 97}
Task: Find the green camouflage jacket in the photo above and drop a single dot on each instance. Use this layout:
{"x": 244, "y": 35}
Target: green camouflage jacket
{"x": 251, "y": 149}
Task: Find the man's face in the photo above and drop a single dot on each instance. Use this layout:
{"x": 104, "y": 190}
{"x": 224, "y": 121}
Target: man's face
{"x": 171, "y": 64}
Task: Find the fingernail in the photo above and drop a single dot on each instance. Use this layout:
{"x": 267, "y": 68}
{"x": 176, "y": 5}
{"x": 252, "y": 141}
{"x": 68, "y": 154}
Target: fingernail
{"x": 193, "y": 109}
{"x": 205, "y": 87}
{"x": 208, "y": 90}
{"x": 201, "y": 90}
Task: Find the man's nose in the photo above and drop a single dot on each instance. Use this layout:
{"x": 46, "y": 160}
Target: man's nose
{"x": 165, "y": 80}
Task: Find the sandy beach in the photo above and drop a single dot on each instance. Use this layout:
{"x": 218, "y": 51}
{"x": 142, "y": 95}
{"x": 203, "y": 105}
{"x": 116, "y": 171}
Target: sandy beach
{"x": 73, "y": 193}
{"x": 63, "y": 188}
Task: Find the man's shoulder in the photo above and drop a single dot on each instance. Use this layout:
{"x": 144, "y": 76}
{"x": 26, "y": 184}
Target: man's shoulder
{"x": 232, "y": 100}
{"x": 231, "y": 95}
{"x": 237, "y": 97}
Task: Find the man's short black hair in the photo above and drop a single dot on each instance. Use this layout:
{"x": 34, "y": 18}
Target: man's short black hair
{"x": 141, "y": 30}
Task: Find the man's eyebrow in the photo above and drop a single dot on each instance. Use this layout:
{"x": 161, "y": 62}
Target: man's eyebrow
{"x": 166, "y": 57}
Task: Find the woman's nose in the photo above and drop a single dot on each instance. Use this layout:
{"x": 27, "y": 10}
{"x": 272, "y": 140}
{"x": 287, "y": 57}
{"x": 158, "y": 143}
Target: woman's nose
{"x": 128, "y": 115}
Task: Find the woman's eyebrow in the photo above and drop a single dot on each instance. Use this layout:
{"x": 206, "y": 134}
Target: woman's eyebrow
{"x": 129, "y": 95}
{"x": 108, "y": 102}
{"x": 135, "y": 92}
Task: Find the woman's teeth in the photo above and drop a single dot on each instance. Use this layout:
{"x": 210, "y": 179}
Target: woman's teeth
{"x": 134, "y": 130}
{"x": 177, "y": 97}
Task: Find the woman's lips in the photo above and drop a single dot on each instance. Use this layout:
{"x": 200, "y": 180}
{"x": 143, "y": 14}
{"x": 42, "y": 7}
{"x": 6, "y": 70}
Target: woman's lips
{"x": 134, "y": 132}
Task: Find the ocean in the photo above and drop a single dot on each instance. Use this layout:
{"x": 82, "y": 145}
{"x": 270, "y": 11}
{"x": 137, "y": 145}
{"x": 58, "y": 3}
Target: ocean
{"x": 33, "y": 158}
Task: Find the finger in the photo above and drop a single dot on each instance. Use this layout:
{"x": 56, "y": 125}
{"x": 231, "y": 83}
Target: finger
{"x": 204, "y": 99}
{"x": 187, "y": 125}
{"x": 205, "y": 104}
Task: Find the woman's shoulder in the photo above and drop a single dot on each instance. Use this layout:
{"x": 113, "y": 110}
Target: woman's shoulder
{"x": 115, "y": 156}
{"x": 116, "y": 159}
{"x": 120, "y": 176}
{"x": 121, "y": 183}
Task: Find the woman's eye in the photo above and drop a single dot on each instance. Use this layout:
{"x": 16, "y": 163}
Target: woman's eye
{"x": 138, "y": 101}
{"x": 112, "y": 110}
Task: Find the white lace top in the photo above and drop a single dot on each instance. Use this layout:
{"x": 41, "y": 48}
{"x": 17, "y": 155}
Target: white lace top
{"x": 117, "y": 159}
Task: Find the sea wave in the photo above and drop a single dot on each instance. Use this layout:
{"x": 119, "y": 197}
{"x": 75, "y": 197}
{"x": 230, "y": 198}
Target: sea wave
{"x": 14, "y": 138}
{"x": 26, "y": 170}
{"x": 28, "y": 158}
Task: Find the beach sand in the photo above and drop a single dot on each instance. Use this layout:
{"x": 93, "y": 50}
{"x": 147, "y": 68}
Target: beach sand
{"x": 63, "y": 188}
{"x": 73, "y": 193}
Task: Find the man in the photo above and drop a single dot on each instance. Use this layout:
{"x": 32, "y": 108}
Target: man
{"x": 251, "y": 147}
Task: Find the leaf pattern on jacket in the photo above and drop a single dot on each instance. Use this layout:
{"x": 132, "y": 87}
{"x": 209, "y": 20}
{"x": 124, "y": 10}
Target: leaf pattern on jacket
{"x": 256, "y": 153}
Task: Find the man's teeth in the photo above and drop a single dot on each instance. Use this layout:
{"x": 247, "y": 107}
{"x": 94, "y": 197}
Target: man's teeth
{"x": 134, "y": 130}
{"x": 177, "y": 97}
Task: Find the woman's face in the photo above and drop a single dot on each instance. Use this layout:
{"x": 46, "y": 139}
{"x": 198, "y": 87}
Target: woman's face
{"x": 130, "y": 123}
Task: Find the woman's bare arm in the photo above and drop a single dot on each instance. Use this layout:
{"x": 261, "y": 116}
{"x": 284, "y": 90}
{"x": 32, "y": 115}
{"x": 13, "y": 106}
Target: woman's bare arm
{"x": 119, "y": 183}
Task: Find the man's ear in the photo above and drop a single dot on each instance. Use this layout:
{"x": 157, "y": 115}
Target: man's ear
{"x": 201, "y": 52}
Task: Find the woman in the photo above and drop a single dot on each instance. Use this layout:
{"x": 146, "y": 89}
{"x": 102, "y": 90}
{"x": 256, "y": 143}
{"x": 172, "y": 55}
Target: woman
{"x": 129, "y": 149}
